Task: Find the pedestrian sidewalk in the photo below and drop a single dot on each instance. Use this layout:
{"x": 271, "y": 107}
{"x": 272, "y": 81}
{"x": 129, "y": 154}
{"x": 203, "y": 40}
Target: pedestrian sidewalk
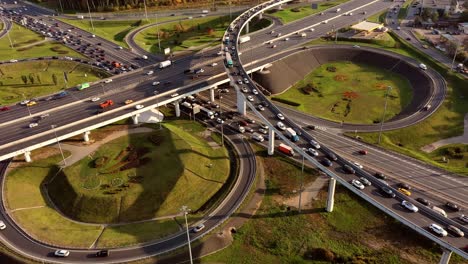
{"x": 453, "y": 140}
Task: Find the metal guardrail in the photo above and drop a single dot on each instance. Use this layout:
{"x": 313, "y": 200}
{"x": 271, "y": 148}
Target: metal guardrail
{"x": 342, "y": 161}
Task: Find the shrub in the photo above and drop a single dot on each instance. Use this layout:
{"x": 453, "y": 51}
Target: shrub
{"x": 320, "y": 254}
{"x": 296, "y": 10}
{"x": 285, "y": 101}
{"x": 101, "y": 161}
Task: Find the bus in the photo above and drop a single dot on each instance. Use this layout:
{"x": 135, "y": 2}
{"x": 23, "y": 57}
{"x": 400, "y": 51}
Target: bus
{"x": 83, "y": 86}
{"x": 228, "y": 60}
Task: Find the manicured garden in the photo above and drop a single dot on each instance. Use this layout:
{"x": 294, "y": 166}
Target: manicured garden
{"x": 31, "y": 79}
{"x": 349, "y": 92}
{"x": 28, "y": 44}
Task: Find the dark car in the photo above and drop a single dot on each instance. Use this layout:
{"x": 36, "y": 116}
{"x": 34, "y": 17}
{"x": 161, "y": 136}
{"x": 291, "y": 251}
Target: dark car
{"x": 387, "y": 192}
{"x": 102, "y": 253}
{"x": 404, "y": 186}
{"x": 326, "y": 162}
{"x": 332, "y": 156}
{"x": 265, "y": 104}
{"x": 348, "y": 169}
{"x": 423, "y": 201}
{"x": 298, "y": 131}
{"x": 4, "y": 108}
{"x": 452, "y": 206}
{"x": 380, "y": 175}
{"x": 187, "y": 71}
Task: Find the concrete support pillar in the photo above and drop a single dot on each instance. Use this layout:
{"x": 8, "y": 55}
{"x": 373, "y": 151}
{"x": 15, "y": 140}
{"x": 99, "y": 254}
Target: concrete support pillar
{"x": 280, "y": 7}
{"x": 86, "y": 136}
{"x": 445, "y": 257}
{"x": 331, "y": 195}
{"x": 260, "y": 16}
{"x": 135, "y": 119}
{"x": 247, "y": 28}
{"x": 241, "y": 104}
{"x": 271, "y": 141}
{"x": 177, "y": 108}
{"x": 212, "y": 94}
{"x": 27, "y": 156}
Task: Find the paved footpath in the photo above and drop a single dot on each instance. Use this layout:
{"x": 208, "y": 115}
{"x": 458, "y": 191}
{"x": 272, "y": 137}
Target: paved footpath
{"x": 453, "y": 140}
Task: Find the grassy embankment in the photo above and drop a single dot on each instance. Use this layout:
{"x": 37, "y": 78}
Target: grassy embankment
{"x": 352, "y": 93}
{"x": 288, "y": 15}
{"x": 36, "y": 78}
{"x": 28, "y": 44}
{"x": 447, "y": 122}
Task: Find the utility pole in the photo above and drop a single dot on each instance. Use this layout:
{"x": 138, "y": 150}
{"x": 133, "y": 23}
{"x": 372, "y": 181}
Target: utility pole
{"x": 60, "y": 147}
{"x": 90, "y": 18}
{"x": 185, "y": 210}
{"x": 454, "y": 57}
{"x": 389, "y": 88}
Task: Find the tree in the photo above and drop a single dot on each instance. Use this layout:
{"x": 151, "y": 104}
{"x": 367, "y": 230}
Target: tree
{"x": 54, "y": 79}
{"x": 426, "y": 14}
{"x": 31, "y": 78}
{"x": 39, "y": 79}
{"x": 24, "y": 78}
{"x": 464, "y": 16}
{"x": 418, "y": 20}
{"x": 435, "y": 16}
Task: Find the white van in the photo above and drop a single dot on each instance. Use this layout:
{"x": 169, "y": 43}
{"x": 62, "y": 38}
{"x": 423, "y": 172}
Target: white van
{"x": 439, "y": 211}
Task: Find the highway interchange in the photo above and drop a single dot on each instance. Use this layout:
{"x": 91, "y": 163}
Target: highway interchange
{"x": 137, "y": 86}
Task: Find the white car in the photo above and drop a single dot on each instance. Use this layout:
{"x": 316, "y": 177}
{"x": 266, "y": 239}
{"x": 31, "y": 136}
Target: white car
{"x": 246, "y": 80}
{"x": 174, "y": 95}
{"x": 356, "y": 46}
{"x": 13, "y": 60}
{"x": 244, "y": 89}
{"x": 357, "y": 184}
{"x": 219, "y": 121}
{"x": 120, "y": 48}
{"x": 108, "y": 81}
{"x": 25, "y": 102}
{"x": 325, "y": 22}
{"x": 357, "y": 164}
{"x": 312, "y": 29}
{"x": 214, "y": 64}
{"x": 254, "y": 91}
{"x": 315, "y": 144}
{"x": 156, "y": 83}
{"x": 438, "y": 230}
{"x": 281, "y": 126}
{"x": 286, "y": 39}
{"x": 239, "y": 81}
{"x": 423, "y": 66}
{"x": 250, "y": 98}
{"x": 198, "y": 228}
{"x": 95, "y": 99}
{"x": 398, "y": 28}
{"x": 263, "y": 131}
{"x": 409, "y": 206}
{"x": 365, "y": 181}
{"x": 313, "y": 152}
{"x": 61, "y": 253}
{"x": 33, "y": 125}
{"x": 137, "y": 107}
{"x": 2, "y": 225}
{"x": 280, "y": 116}
{"x": 260, "y": 107}
{"x": 150, "y": 72}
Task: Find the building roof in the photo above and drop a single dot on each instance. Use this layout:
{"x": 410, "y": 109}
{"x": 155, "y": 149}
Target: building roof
{"x": 450, "y": 38}
{"x": 366, "y": 26}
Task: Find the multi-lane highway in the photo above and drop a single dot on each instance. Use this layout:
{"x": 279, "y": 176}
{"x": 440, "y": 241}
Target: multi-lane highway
{"x": 77, "y": 109}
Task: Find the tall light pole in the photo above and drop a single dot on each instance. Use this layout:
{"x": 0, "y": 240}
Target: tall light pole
{"x": 389, "y": 88}
{"x": 454, "y": 57}
{"x": 221, "y": 117}
{"x": 27, "y": 106}
{"x": 185, "y": 210}
{"x": 61, "y": 7}
{"x": 157, "y": 102}
{"x": 157, "y": 31}
{"x": 146, "y": 12}
{"x": 89, "y": 12}
{"x": 60, "y": 147}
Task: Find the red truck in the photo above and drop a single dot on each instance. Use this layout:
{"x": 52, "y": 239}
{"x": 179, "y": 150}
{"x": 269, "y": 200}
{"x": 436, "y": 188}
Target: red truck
{"x": 286, "y": 149}
{"x": 106, "y": 103}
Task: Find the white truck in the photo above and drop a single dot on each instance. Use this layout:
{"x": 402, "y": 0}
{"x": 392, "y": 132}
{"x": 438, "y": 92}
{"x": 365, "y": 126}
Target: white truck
{"x": 258, "y": 137}
{"x": 187, "y": 105}
{"x": 244, "y": 39}
{"x": 205, "y": 11}
{"x": 207, "y": 112}
{"x": 80, "y": 17}
{"x": 292, "y": 134}
{"x": 164, "y": 64}
{"x": 303, "y": 35}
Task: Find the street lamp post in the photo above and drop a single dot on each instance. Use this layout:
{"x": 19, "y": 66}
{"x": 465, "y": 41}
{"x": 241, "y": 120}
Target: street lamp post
{"x": 60, "y": 147}
{"x": 90, "y": 18}
{"x": 221, "y": 117}
{"x": 27, "y": 106}
{"x": 146, "y": 12}
{"x": 185, "y": 210}
{"x": 389, "y": 88}
{"x": 157, "y": 103}
{"x": 302, "y": 183}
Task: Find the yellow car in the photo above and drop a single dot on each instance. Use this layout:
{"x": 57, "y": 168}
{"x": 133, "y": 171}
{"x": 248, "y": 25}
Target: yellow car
{"x": 425, "y": 46}
{"x": 31, "y": 103}
{"x": 128, "y": 101}
{"x": 404, "y": 191}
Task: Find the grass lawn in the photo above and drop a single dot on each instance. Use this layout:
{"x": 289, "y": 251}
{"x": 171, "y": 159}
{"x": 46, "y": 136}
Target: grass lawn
{"x": 378, "y": 18}
{"x": 131, "y": 234}
{"x": 354, "y": 93}
{"x": 154, "y": 179}
{"x": 23, "y": 39}
{"x": 447, "y": 122}
{"x": 288, "y": 15}
{"x": 39, "y": 78}
{"x": 355, "y": 232}
{"x": 184, "y": 34}
{"x": 114, "y": 31}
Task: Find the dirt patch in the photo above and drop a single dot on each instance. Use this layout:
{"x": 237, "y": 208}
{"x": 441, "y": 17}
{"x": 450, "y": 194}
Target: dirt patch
{"x": 38, "y": 154}
{"x": 381, "y": 86}
{"x": 97, "y": 135}
{"x": 340, "y": 78}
